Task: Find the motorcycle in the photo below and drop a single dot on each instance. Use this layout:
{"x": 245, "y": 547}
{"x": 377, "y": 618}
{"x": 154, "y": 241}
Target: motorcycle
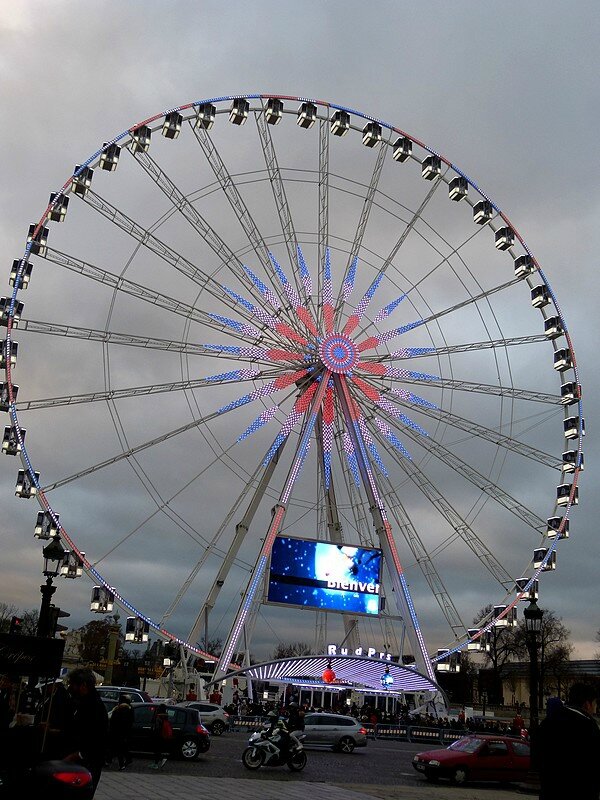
{"x": 262, "y": 751}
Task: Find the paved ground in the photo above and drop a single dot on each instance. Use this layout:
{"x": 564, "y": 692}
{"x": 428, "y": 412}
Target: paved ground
{"x": 139, "y": 786}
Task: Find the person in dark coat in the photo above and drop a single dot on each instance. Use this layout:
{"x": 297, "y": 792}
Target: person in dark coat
{"x": 567, "y": 748}
{"x": 160, "y": 736}
{"x": 121, "y": 723}
{"x": 54, "y": 719}
{"x": 295, "y": 720}
{"x": 88, "y": 736}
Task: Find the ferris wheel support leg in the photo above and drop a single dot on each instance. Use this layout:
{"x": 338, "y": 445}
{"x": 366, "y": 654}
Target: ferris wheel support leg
{"x": 384, "y": 531}
{"x": 250, "y": 597}
{"x": 334, "y": 527}
{"x": 241, "y": 529}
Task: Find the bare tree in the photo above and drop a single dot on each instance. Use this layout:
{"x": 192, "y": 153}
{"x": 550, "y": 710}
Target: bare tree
{"x": 291, "y": 649}
{"x": 7, "y": 612}
{"x": 500, "y": 648}
{"x": 554, "y": 651}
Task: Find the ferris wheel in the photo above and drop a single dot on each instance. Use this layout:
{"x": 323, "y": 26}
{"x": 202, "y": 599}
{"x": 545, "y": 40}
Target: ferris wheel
{"x": 266, "y": 316}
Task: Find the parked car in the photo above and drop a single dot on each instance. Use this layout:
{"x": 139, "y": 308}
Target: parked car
{"x": 190, "y": 737}
{"x": 212, "y": 715}
{"x": 110, "y": 695}
{"x": 334, "y": 731}
{"x": 476, "y": 758}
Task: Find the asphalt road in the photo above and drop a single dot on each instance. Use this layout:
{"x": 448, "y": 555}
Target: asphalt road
{"x": 386, "y": 763}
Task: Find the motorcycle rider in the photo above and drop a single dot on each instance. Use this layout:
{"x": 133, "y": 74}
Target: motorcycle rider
{"x": 281, "y": 739}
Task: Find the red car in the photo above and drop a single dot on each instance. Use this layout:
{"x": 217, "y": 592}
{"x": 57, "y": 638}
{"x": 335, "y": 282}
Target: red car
{"x": 476, "y": 758}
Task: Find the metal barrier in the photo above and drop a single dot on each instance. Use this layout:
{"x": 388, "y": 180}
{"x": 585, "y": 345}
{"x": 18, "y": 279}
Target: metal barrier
{"x": 418, "y": 733}
{"x": 237, "y": 723}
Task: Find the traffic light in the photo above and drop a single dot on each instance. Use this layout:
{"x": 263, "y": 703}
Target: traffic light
{"x": 54, "y": 615}
{"x": 16, "y": 625}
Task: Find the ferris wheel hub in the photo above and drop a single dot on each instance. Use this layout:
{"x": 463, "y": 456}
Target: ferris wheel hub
{"x": 338, "y": 353}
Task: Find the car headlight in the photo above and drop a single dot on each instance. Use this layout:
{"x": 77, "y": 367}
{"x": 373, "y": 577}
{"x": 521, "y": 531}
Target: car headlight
{"x": 434, "y": 763}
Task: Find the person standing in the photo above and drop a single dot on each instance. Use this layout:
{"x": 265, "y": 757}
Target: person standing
{"x": 566, "y": 748}
{"x": 88, "y": 734}
{"x": 121, "y": 723}
{"x": 162, "y": 732}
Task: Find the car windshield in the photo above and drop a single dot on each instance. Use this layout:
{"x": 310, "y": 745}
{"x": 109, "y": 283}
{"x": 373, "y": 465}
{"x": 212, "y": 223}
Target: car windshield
{"x": 467, "y": 745}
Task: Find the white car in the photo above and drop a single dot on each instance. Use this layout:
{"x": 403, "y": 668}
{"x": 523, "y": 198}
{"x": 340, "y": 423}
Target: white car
{"x": 333, "y": 731}
{"x": 213, "y": 716}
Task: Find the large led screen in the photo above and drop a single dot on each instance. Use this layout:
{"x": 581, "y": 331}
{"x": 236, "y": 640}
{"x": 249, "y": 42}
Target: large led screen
{"x": 323, "y": 575}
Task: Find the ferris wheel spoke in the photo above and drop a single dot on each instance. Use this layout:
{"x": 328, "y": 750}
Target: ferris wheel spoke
{"x": 461, "y": 467}
{"x": 359, "y": 513}
{"x": 131, "y": 391}
{"x": 131, "y": 340}
{"x": 404, "y": 398}
{"x": 424, "y": 352}
{"x": 511, "y": 392}
{"x": 148, "y": 240}
{"x": 363, "y": 219}
{"x": 323, "y": 221}
{"x": 194, "y": 218}
{"x": 237, "y": 203}
{"x": 408, "y": 530}
{"x": 279, "y": 195}
{"x": 463, "y": 530}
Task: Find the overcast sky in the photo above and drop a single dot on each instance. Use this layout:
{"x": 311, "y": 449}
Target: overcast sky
{"x": 509, "y": 92}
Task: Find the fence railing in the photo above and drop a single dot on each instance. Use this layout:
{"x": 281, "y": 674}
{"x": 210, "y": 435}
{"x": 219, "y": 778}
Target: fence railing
{"x": 405, "y": 733}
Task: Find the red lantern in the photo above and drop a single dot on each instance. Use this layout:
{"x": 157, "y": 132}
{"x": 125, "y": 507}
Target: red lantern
{"x": 328, "y": 674}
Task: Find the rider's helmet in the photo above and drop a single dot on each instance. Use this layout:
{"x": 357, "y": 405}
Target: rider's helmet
{"x": 281, "y": 724}
{"x": 272, "y": 714}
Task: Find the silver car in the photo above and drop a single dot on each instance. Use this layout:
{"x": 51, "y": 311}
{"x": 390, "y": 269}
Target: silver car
{"x": 334, "y": 731}
{"x": 213, "y": 716}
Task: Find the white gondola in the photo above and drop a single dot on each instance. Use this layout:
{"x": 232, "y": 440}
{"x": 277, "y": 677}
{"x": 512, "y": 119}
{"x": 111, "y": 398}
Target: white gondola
{"x": 25, "y": 274}
{"x": 477, "y": 645}
{"x": 136, "y": 630}
{"x": 205, "y": 116}
{"x": 540, "y": 296}
{"x": 81, "y": 180}
{"x": 509, "y": 620}
{"x": 571, "y": 427}
{"x": 431, "y": 167}
{"x": 14, "y": 349}
{"x": 72, "y": 565}
{"x": 39, "y": 240}
{"x": 274, "y": 111}
{"x": 371, "y": 134}
{"x": 553, "y": 328}
{"x": 5, "y": 397}
{"x": 340, "y": 123}
{"x": 458, "y": 188}
{"x": 238, "y": 113}
{"x": 563, "y": 494}
{"x": 562, "y": 359}
{"x": 482, "y": 212}
{"x": 109, "y": 158}
{"x": 570, "y": 460}
{"x": 307, "y": 115}
{"x": 443, "y": 664}
{"x": 140, "y": 139}
{"x": 570, "y": 393}
{"x": 553, "y": 525}
{"x": 5, "y": 312}
{"x": 538, "y": 559}
{"x": 25, "y": 486}
{"x": 11, "y": 446}
{"x": 523, "y": 266}
{"x": 172, "y": 125}
{"x": 59, "y": 203}
{"x": 103, "y": 600}
{"x": 401, "y": 149}
{"x": 532, "y": 593}
{"x": 46, "y": 527}
{"x": 504, "y": 238}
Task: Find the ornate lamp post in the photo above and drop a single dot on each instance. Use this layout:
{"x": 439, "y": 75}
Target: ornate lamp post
{"x": 533, "y": 626}
{"x": 53, "y": 558}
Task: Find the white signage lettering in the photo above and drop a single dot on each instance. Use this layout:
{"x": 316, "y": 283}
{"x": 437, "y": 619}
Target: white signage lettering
{"x": 354, "y": 586}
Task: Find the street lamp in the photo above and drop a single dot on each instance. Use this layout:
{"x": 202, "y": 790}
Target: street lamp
{"x": 533, "y": 626}
{"x": 53, "y": 557}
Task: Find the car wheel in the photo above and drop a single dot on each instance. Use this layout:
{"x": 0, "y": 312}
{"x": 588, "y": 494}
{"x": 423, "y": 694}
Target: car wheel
{"x": 217, "y": 727}
{"x": 346, "y": 744}
{"x": 460, "y": 776}
{"x": 189, "y": 749}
